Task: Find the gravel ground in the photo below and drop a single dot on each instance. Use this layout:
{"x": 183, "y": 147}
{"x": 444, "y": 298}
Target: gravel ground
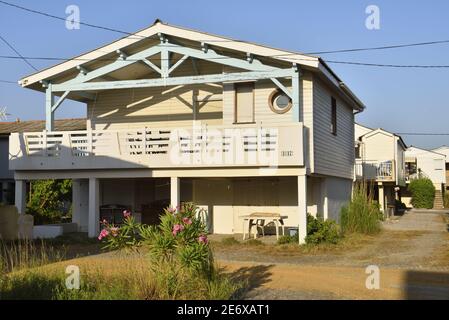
{"x": 412, "y": 253}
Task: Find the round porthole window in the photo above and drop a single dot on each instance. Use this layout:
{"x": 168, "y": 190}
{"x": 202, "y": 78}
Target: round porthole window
{"x": 280, "y": 102}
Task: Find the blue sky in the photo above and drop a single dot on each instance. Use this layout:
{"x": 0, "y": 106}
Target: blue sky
{"x": 399, "y": 100}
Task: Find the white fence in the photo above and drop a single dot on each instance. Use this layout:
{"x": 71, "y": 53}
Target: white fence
{"x": 158, "y": 147}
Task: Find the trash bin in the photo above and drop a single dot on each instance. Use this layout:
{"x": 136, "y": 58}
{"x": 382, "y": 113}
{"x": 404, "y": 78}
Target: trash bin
{"x": 293, "y": 232}
{"x": 112, "y": 213}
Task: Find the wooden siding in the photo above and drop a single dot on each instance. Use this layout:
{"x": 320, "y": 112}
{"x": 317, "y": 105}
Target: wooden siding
{"x": 166, "y": 107}
{"x": 333, "y": 154}
{"x": 263, "y": 113}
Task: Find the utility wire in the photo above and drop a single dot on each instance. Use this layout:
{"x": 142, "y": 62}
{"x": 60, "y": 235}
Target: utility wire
{"x": 220, "y": 58}
{"x": 7, "y": 81}
{"x": 227, "y": 40}
{"x": 18, "y": 53}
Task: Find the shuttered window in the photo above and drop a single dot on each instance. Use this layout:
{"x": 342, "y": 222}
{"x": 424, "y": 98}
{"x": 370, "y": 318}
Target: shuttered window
{"x": 333, "y": 116}
{"x": 244, "y": 102}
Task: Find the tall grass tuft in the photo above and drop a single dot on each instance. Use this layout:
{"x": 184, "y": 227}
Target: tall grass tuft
{"x": 362, "y": 214}
{"x": 22, "y": 254}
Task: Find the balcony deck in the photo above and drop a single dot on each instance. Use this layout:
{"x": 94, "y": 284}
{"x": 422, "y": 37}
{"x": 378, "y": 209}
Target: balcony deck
{"x": 379, "y": 171}
{"x": 197, "y": 146}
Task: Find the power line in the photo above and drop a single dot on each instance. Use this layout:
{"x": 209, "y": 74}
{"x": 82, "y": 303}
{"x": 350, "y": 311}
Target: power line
{"x": 226, "y": 40}
{"x": 422, "y": 134}
{"x": 220, "y": 58}
{"x": 7, "y": 81}
{"x": 382, "y": 47}
{"x": 17, "y": 52}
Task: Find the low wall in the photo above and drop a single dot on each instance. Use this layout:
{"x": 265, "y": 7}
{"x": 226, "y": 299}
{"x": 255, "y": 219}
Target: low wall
{"x": 53, "y": 230}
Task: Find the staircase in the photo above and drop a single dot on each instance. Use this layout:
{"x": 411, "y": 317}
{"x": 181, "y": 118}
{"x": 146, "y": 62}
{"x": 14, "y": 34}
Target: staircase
{"x": 438, "y": 202}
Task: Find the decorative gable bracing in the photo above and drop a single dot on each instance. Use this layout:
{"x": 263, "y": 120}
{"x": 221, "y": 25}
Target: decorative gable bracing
{"x": 155, "y": 57}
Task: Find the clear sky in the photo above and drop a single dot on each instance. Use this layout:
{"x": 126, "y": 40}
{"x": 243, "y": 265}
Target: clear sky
{"x": 398, "y": 100}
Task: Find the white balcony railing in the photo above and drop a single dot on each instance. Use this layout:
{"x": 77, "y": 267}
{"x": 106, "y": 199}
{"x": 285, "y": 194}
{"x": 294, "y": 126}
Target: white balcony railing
{"x": 375, "y": 170}
{"x": 198, "y": 146}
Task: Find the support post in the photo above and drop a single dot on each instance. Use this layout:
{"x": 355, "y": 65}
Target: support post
{"x": 94, "y": 207}
{"x": 302, "y": 208}
{"x": 175, "y": 192}
{"x": 20, "y": 197}
{"x": 381, "y": 197}
{"x": 295, "y": 97}
{"x": 324, "y": 199}
{"x": 49, "y": 113}
{"x": 76, "y": 202}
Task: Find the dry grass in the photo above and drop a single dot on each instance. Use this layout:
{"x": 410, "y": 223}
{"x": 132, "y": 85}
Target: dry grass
{"x": 350, "y": 242}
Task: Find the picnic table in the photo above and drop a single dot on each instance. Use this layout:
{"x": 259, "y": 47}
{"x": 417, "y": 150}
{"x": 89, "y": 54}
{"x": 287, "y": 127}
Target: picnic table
{"x": 260, "y": 220}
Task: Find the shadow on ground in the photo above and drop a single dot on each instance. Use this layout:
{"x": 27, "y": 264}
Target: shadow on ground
{"x": 252, "y": 277}
{"x": 420, "y": 285}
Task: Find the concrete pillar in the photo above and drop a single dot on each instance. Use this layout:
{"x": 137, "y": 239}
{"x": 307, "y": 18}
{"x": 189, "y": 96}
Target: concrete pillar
{"x": 302, "y": 208}
{"x": 381, "y": 197}
{"x": 324, "y": 199}
{"x": 80, "y": 204}
{"x": 20, "y": 198}
{"x": 94, "y": 207}
{"x": 175, "y": 193}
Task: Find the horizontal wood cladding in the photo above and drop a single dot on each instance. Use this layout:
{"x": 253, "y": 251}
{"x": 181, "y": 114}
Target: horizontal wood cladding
{"x": 333, "y": 154}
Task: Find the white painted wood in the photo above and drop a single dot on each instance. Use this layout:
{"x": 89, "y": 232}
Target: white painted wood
{"x": 94, "y": 207}
{"x": 175, "y": 192}
{"x": 20, "y": 196}
{"x": 302, "y": 208}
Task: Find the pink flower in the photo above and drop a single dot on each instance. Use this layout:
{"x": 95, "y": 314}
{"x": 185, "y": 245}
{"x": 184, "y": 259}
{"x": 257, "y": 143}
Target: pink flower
{"x": 103, "y": 234}
{"x": 203, "y": 239}
{"x": 114, "y": 231}
{"x": 171, "y": 210}
{"x": 187, "y": 221}
{"x": 127, "y": 213}
{"x": 177, "y": 228}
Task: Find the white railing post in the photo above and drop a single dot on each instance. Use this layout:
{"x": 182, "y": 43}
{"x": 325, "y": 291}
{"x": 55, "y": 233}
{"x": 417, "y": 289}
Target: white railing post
{"x": 44, "y": 143}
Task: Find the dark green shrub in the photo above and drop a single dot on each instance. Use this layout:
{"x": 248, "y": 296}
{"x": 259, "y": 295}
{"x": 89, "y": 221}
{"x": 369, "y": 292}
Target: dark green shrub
{"x": 362, "y": 214}
{"x": 423, "y": 193}
{"x": 320, "y": 231}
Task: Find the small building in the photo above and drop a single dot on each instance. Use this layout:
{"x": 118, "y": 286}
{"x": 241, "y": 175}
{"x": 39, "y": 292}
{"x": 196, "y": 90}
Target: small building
{"x": 429, "y": 164}
{"x": 380, "y": 162}
{"x": 444, "y": 150}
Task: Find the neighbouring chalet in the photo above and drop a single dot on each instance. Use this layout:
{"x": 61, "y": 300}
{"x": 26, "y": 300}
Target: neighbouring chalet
{"x": 380, "y": 162}
{"x": 178, "y": 115}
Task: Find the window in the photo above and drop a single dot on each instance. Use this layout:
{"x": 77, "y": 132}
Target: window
{"x": 334, "y": 116}
{"x": 279, "y": 101}
{"x": 244, "y": 102}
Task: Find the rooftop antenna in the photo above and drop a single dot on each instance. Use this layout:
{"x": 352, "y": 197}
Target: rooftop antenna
{"x": 3, "y": 114}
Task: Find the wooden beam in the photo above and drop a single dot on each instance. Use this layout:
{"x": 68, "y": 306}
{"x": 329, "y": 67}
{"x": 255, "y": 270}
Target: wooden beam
{"x": 212, "y": 56}
{"x": 178, "y": 63}
{"x": 295, "y": 97}
{"x": 282, "y": 87}
{"x": 174, "y": 81}
{"x": 152, "y": 65}
{"x": 49, "y": 101}
{"x": 60, "y": 100}
{"x": 116, "y": 65}
{"x": 165, "y": 62}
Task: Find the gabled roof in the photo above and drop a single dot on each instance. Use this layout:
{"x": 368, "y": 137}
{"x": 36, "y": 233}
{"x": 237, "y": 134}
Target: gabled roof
{"x": 152, "y": 32}
{"x": 409, "y": 149}
{"x": 380, "y": 130}
{"x": 39, "y": 125}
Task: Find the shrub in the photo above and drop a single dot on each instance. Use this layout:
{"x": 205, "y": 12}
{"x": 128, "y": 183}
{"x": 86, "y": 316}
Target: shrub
{"x": 423, "y": 193}
{"x": 362, "y": 214}
{"x": 320, "y": 231}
